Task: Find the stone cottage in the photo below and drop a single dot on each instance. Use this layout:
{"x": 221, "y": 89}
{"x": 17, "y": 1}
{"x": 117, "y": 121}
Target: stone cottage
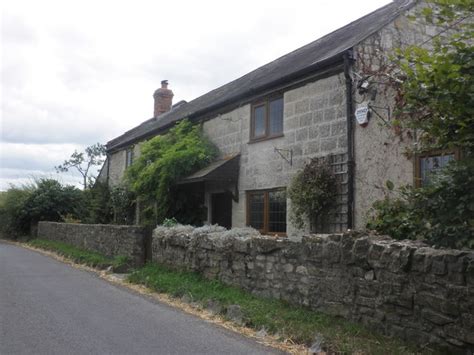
{"x": 317, "y": 101}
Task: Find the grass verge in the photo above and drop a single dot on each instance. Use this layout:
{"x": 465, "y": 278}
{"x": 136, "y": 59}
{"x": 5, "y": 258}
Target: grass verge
{"x": 79, "y": 255}
{"x": 299, "y": 324}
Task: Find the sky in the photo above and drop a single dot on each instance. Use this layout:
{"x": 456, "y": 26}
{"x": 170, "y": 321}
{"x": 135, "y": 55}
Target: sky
{"x": 74, "y": 73}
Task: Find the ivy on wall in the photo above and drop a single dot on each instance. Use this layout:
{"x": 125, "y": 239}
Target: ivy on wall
{"x": 163, "y": 162}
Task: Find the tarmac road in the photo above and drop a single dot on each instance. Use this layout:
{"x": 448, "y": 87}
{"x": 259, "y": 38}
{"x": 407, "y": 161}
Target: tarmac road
{"x": 47, "y": 307}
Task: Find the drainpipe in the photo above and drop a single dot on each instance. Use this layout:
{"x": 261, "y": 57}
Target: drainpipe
{"x": 348, "y": 60}
{"x": 107, "y": 159}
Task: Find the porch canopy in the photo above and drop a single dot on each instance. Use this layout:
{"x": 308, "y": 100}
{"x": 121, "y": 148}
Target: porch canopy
{"x": 222, "y": 170}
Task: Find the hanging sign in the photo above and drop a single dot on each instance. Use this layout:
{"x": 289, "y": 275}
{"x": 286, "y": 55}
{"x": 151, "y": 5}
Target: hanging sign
{"x": 362, "y": 114}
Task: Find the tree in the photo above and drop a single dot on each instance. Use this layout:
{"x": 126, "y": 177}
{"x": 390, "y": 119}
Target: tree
{"x": 46, "y": 200}
{"x": 50, "y": 201}
{"x": 435, "y": 86}
{"x": 435, "y": 93}
{"x": 83, "y": 162}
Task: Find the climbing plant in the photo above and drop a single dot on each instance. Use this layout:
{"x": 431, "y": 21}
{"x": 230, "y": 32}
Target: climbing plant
{"x": 312, "y": 193}
{"x": 163, "y": 162}
{"x": 434, "y": 85}
{"x": 438, "y": 79}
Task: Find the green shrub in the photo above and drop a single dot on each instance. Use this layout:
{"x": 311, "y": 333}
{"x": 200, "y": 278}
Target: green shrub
{"x": 98, "y": 204}
{"x": 441, "y": 213}
{"x": 122, "y": 203}
{"x": 45, "y": 200}
{"x": 11, "y": 205}
{"x": 169, "y": 222}
{"x": 312, "y": 192}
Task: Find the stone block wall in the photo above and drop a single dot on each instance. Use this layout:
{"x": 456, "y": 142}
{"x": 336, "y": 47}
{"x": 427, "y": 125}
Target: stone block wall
{"x": 314, "y": 126}
{"x": 109, "y": 240}
{"x": 404, "y": 289}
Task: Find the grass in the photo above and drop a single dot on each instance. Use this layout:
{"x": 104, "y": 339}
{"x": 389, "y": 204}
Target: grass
{"x": 79, "y": 255}
{"x": 299, "y": 324}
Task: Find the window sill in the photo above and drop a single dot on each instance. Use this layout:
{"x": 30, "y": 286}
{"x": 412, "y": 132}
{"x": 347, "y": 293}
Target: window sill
{"x": 257, "y": 140}
{"x": 271, "y": 234}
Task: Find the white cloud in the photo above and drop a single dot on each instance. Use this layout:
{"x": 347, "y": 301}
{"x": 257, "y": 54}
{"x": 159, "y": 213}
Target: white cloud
{"x": 76, "y": 73}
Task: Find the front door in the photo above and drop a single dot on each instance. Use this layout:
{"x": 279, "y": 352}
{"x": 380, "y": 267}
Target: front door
{"x": 222, "y": 209}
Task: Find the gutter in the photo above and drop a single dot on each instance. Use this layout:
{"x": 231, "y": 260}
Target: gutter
{"x": 348, "y": 60}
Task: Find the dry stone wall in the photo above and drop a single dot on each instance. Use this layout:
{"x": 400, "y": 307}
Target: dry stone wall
{"x": 109, "y": 240}
{"x": 405, "y": 289}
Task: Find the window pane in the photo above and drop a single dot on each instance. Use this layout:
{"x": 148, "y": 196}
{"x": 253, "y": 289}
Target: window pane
{"x": 277, "y": 211}
{"x": 129, "y": 159}
{"x": 276, "y": 116}
{"x": 256, "y": 205}
{"x": 431, "y": 165}
{"x": 259, "y": 121}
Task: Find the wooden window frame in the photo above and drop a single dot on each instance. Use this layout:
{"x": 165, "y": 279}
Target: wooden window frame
{"x": 265, "y": 103}
{"x": 431, "y": 153}
{"x": 266, "y": 210}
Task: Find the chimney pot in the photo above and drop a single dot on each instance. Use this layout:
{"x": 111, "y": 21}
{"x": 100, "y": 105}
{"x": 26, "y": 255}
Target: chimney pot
{"x": 163, "y": 99}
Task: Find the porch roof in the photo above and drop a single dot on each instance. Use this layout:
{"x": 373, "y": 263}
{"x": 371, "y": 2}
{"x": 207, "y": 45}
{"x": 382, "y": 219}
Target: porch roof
{"x": 226, "y": 169}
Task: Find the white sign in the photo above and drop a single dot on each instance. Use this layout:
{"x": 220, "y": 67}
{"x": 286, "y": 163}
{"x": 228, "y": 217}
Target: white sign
{"x": 362, "y": 113}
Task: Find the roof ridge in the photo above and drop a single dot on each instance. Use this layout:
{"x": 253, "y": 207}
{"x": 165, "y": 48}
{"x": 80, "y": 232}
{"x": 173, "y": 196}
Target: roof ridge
{"x": 303, "y": 58}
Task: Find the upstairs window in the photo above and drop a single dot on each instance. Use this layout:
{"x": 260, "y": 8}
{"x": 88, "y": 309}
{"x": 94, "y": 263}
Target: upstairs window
{"x": 266, "y": 211}
{"x": 267, "y": 119}
{"x": 129, "y": 157}
{"x": 429, "y": 164}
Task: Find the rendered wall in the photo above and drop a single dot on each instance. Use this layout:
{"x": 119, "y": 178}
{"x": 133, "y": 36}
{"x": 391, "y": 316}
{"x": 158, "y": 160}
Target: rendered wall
{"x": 380, "y": 150}
{"x": 117, "y": 164}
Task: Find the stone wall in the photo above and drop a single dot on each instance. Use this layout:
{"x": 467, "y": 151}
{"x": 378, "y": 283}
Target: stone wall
{"x": 380, "y": 150}
{"x": 314, "y": 125}
{"x": 109, "y": 240}
{"x": 405, "y": 289}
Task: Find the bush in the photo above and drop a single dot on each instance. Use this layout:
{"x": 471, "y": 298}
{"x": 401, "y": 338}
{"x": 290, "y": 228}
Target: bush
{"x": 98, "y": 204}
{"x": 312, "y": 192}
{"x": 47, "y": 200}
{"x": 441, "y": 213}
{"x": 122, "y": 202}
{"x": 11, "y": 205}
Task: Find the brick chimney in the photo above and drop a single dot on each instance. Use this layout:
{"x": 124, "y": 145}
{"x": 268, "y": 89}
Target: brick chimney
{"x": 163, "y": 99}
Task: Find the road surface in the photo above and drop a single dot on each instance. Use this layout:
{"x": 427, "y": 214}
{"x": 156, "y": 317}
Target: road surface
{"x": 47, "y": 307}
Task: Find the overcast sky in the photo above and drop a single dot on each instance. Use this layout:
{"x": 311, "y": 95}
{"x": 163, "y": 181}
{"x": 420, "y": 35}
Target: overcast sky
{"x": 79, "y": 72}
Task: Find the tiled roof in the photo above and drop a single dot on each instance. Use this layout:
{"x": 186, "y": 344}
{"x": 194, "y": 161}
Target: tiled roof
{"x": 308, "y": 57}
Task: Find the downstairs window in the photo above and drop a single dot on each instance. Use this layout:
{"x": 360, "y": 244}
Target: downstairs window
{"x": 430, "y": 163}
{"x": 266, "y": 211}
